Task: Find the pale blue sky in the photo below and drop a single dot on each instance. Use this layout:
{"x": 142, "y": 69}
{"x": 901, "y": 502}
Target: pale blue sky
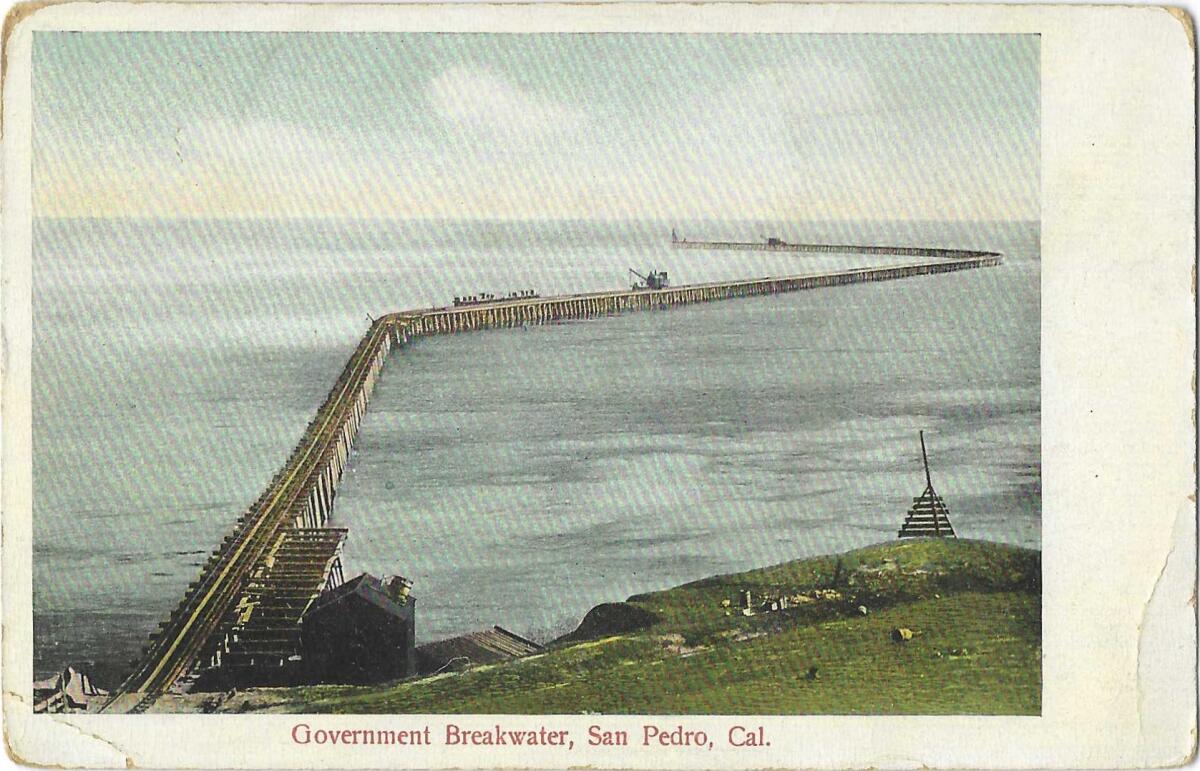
{"x": 791, "y": 127}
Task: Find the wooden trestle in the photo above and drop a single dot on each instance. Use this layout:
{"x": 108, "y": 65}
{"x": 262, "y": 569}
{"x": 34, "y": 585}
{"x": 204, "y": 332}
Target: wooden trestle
{"x": 260, "y": 643}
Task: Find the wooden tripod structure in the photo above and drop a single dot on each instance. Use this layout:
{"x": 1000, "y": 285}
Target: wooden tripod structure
{"x": 929, "y": 515}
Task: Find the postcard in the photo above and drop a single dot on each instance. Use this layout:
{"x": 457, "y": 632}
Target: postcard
{"x": 624, "y": 386}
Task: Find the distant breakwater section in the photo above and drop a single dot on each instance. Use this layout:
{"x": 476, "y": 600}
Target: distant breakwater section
{"x": 776, "y": 245}
{"x": 299, "y": 499}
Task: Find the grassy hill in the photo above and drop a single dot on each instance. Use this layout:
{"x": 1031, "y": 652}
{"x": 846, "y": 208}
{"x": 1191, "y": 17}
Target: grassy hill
{"x": 973, "y": 608}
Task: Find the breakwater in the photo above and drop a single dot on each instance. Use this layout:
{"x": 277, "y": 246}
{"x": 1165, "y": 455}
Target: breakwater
{"x": 301, "y": 494}
{"x": 549, "y": 309}
{"x": 779, "y": 246}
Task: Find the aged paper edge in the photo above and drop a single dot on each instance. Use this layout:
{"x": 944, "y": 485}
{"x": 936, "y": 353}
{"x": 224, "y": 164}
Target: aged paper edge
{"x": 1118, "y": 341}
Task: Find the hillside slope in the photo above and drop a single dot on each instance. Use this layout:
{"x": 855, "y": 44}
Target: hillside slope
{"x": 973, "y": 609}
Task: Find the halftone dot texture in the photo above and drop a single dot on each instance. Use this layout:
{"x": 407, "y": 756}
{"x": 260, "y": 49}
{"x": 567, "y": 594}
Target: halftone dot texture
{"x": 607, "y": 126}
{"x": 220, "y": 213}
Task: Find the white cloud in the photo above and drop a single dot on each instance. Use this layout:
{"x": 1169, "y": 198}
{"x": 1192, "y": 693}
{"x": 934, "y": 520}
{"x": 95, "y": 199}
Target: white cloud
{"x": 477, "y": 100}
{"x": 810, "y": 88}
{"x": 804, "y": 138}
{"x": 811, "y": 139}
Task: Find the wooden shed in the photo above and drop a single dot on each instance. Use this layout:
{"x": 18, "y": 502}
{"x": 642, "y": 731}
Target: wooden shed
{"x": 360, "y": 632}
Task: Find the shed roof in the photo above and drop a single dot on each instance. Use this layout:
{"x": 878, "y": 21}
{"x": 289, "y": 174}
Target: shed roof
{"x": 484, "y": 647}
{"x": 365, "y": 587}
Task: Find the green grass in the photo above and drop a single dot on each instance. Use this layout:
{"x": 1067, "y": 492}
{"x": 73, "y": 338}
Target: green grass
{"x": 974, "y": 608}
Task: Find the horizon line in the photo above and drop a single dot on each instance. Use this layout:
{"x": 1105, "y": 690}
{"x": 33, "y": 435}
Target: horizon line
{"x": 353, "y": 218}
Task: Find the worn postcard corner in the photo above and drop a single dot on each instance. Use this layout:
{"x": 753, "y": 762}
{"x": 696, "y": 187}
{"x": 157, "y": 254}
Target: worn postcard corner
{"x": 546, "y": 386}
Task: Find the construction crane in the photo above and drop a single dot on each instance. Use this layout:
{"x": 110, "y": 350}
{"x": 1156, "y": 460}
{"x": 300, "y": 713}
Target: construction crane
{"x": 652, "y": 280}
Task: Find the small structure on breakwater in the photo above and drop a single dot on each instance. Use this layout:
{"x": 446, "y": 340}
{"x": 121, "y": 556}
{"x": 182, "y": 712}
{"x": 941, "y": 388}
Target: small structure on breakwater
{"x": 483, "y": 298}
{"x": 929, "y": 515}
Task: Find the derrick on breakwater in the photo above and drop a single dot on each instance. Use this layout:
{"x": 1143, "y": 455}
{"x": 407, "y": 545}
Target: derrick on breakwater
{"x": 247, "y": 601}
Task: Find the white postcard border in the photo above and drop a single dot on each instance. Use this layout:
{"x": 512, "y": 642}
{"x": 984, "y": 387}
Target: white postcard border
{"x": 1118, "y": 337}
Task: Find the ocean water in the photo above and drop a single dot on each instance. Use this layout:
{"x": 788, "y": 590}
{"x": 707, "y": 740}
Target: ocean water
{"x": 518, "y": 477}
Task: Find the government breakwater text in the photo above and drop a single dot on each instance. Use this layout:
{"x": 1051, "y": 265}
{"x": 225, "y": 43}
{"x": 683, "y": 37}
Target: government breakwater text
{"x": 496, "y": 735}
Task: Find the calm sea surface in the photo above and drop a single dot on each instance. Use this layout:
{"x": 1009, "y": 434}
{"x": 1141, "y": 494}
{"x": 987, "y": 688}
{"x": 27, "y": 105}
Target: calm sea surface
{"x": 517, "y": 477}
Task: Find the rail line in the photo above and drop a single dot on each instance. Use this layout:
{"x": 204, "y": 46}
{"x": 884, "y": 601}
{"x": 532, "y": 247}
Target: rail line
{"x": 301, "y": 493}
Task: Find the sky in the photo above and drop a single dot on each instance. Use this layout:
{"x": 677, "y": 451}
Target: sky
{"x": 537, "y": 126}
